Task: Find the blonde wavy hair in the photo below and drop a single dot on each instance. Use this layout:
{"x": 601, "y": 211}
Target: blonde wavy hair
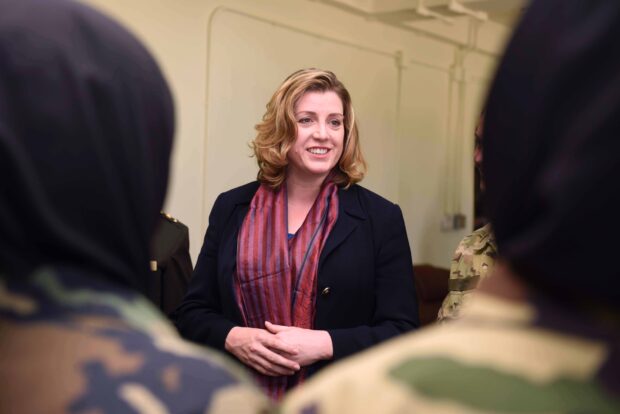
{"x": 278, "y": 130}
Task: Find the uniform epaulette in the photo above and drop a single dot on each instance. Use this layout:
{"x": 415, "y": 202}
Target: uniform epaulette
{"x": 169, "y": 217}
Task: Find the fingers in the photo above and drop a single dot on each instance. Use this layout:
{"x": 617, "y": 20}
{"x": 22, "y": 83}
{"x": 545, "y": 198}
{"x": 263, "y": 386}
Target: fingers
{"x": 270, "y": 363}
{"x": 265, "y": 368}
{"x": 273, "y": 328}
{"x": 276, "y": 343}
{"x": 263, "y": 351}
{"x": 280, "y": 346}
{"x": 279, "y": 360}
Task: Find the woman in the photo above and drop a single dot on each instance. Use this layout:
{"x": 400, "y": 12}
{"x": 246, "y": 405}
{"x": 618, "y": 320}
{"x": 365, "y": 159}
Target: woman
{"x": 303, "y": 266}
{"x": 543, "y": 332}
{"x": 86, "y": 125}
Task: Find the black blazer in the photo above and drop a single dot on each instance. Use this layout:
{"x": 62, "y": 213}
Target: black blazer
{"x": 365, "y": 291}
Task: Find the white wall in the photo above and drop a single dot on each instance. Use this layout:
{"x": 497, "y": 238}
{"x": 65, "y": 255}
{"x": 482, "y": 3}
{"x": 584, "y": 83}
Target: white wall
{"x": 224, "y": 59}
{"x": 250, "y": 58}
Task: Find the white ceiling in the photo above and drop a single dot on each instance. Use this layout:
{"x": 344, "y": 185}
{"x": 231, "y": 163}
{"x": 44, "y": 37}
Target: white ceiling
{"x": 404, "y": 11}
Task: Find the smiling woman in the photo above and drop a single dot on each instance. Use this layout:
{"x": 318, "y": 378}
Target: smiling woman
{"x": 320, "y": 136}
{"x": 303, "y": 266}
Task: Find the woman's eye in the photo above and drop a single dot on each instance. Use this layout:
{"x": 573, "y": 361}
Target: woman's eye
{"x": 335, "y": 122}
{"x": 304, "y": 120}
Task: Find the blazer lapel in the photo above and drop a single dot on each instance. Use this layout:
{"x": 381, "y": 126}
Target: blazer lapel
{"x": 350, "y": 214}
{"x": 231, "y": 232}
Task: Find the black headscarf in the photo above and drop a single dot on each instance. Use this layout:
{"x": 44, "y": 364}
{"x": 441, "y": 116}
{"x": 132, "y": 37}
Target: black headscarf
{"x": 86, "y": 126}
{"x": 552, "y": 150}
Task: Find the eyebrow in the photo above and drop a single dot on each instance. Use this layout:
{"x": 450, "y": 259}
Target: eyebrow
{"x": 314, "y": 113}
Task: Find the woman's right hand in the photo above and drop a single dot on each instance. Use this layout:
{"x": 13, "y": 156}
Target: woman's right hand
{"x": 261, "y": 350}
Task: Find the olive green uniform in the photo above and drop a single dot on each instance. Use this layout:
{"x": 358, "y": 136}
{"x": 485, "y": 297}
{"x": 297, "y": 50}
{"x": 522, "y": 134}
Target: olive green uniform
{"x": 69, "y": 344}
{"x": 497, "y": 358}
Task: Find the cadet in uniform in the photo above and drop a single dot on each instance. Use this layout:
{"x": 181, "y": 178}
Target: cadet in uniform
{"x": 86, "y": 126}
{"x": 473, "y": 260}
{"x": 171, "y": 264}
{"x": 474, "y": 256}
{"x": 543, "y": 333}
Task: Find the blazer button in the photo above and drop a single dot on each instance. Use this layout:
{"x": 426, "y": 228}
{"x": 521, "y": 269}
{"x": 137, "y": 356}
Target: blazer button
{"x": 325, "y": 291}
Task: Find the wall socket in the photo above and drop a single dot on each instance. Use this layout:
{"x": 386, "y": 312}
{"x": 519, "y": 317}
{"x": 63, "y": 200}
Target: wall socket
{"x": 450, "y": 222}
{"x": 459, "y": 221}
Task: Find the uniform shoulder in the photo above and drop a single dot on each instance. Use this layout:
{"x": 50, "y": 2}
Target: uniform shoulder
{"x": 168, "y": 217}
{"x": 483, "y": 232}
{"x": 170, "y": 220}
{"x": 170, "y": 236}
{"x": 481, "y": 238}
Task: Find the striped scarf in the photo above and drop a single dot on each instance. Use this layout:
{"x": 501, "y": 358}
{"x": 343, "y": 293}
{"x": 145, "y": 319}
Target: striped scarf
{"x": 276, "y": 277}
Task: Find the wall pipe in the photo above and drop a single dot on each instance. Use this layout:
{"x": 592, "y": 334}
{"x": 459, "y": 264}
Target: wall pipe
{"x": 397, "y": 56}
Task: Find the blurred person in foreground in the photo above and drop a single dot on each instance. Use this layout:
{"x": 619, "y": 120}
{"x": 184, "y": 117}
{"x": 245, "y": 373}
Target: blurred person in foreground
{"x": 304, "y": 266}
{"x": 475, "y": 255}
{"x": 543, "y": 334}
{"x": 86, "y": 126}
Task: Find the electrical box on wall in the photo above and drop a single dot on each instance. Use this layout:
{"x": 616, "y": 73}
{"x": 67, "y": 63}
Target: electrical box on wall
{"x": 450, "y": 222}
{"x": 459, "y": 221}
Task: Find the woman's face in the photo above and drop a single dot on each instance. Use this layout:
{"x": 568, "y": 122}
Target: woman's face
{"x": 320, "y": 136}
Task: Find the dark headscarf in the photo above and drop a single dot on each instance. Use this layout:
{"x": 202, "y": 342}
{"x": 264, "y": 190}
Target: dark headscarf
{"x": 552, "y": 150}
{"x": 86, "y": 125}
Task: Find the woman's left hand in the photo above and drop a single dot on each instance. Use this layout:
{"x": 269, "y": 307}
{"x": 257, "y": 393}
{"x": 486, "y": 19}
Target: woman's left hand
{"x": 313, "y": 345}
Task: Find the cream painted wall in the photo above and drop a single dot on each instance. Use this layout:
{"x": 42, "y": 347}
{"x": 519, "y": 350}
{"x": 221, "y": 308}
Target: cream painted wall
{"x": 224, "y": 59}
{"x": 239, "y": 45}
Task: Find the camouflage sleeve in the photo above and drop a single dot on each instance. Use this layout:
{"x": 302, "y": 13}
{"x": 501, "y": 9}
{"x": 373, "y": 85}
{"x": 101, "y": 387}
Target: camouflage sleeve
{"x": 497, "y": 367}
{"x": 472, "y": 261}
{"x": 459, "y": 271}
{"x": 102, "y": 349}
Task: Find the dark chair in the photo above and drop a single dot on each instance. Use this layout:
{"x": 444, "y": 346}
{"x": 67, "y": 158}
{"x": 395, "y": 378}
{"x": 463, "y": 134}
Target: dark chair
{"x": 432, "y": 287}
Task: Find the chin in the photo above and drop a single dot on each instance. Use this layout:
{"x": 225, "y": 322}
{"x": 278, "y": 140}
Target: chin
{"x": 319, "y": 171}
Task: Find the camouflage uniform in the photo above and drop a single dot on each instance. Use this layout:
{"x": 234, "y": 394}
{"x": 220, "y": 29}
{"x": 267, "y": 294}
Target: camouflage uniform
{"x": 511, "y": 358}
{"x": 472, "y": 261}
{"x": 70, "y": 345}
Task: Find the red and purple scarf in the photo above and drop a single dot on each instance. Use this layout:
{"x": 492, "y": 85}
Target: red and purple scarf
{"x": 276, "y": 277}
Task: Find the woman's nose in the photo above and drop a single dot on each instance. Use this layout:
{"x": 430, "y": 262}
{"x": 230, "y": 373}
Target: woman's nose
{"x": 320, "y": 131}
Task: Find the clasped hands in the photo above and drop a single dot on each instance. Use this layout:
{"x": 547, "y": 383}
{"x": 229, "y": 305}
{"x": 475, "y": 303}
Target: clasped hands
{"x": 278, "y": 350}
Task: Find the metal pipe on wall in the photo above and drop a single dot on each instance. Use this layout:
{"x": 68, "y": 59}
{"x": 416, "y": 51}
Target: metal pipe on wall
{"x": 452, "y": 194}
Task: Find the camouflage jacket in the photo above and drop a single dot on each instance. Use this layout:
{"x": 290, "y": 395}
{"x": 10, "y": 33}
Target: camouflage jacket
{"x": 73, "y": 346}
{"x": 472, "y": 261}
{"x": 511, "y": 358}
